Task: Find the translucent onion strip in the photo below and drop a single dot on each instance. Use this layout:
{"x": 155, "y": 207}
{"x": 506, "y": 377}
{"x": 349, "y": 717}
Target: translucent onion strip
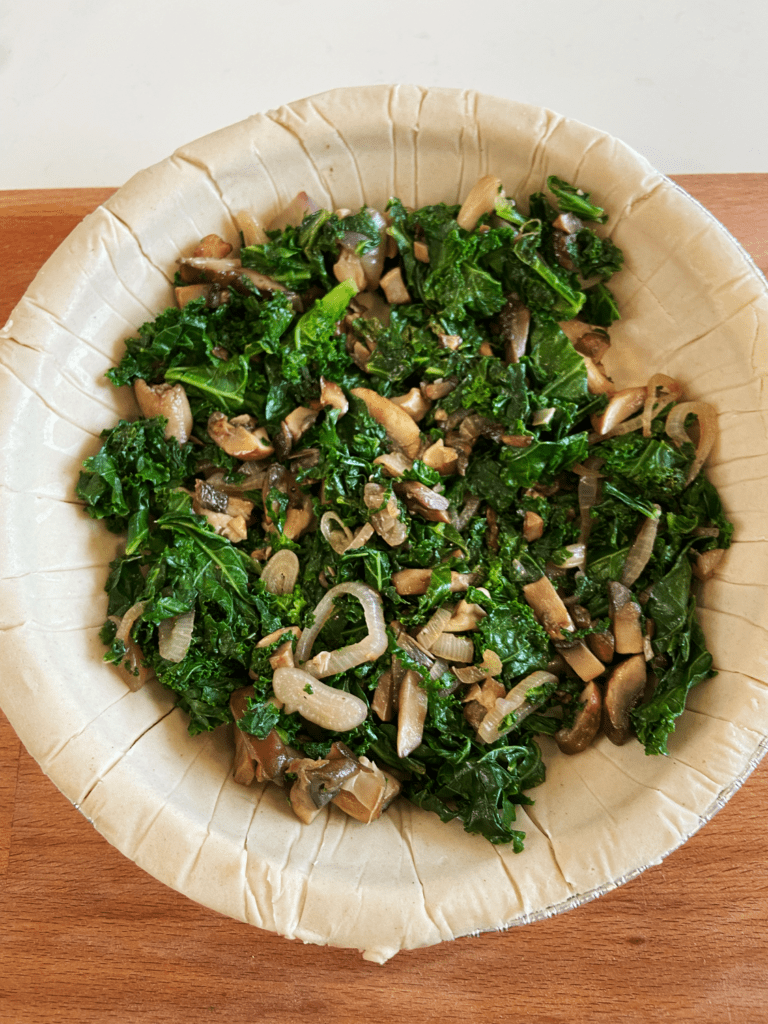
{"x": 514, "y": 703}
{"x": 369, "y": 649}
{"x": 661, "y": 391}
{"x": 454, "y": 648}
{"x": 642, "y": 549}
{"x": 435, "y": 626}
{"x": 281, "y": 572}
{"x": 126, "y": 623}
{"x": 675, "y": 428}
{"x": 338, "y": 536}
{"x": 174, "y": 636}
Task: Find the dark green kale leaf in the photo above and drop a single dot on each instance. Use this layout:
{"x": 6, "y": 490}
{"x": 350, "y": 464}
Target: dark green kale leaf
{"x": 600, "y": 307}
{"x": 132, "y": 476}
{"x": 493, "y": 389}
{"x": 680, "y": 638}
{"x": 594, "y": 256}
{"x": 571, "y": 199}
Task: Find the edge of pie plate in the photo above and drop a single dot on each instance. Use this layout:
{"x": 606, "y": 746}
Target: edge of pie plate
{"x": 693, "y": 306}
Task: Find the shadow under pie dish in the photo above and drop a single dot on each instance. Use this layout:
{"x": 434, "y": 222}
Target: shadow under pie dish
{"x": 692, "y": 306}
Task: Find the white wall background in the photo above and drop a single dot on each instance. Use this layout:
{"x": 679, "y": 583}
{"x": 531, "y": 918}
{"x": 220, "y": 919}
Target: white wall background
{"x": 92, "y": 91}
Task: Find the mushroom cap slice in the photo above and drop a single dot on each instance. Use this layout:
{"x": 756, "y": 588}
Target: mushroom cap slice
{"x": 400, "y": 427}
{"x": 624, "y": 690}
{"x": 586, "y": 724}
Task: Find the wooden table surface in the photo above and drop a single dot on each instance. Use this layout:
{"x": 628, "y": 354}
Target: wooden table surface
{"x": 86, "y": 936}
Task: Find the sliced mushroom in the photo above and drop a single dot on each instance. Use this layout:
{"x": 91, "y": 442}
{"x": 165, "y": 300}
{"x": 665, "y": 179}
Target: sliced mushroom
{"x": 189, "y": 292}
{"x": 394, "y": 464}
{"x": 421, "y": 250}
{"x": 368, "y": 792}
{"x": 423, "y": 501}
{"x": 416, "y": 581}
{"x": 444, "y": 460}
{"x": 533, "y": 526}
{"x": 466, "y": 616}
{"x": 399, "y": 426}
{"x": 394, "y": 288}
{"x": 383, "y": 702}
{"x": 553, "y": 615}
{"x": 515, "y": 324}
{"x": 229, "y": 272}
{"x": 624, "y": 690}
{"x": 625, "y": 619}
{"x": 271, "y": 756}
{"x": 332, "y": 395}
{"x": 240, "y": 437}
{"x": 386, "y": 520}
{"x": 168, "y": 400}
{"x": 414, "y": 403}
{"x": 602, "y": 645}
{"x": 439, "y": 388}
{"x": 586, "y": 723}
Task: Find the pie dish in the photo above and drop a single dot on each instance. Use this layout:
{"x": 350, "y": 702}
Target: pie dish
{"x": 693, "y": 306}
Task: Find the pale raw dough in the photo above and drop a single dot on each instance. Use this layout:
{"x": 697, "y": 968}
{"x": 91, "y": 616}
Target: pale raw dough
{"x": 694, "y": 306}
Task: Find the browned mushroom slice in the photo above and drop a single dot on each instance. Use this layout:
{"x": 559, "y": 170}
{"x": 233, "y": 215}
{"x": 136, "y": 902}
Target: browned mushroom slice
{"x": 271, "y": 756}
{"x": 585, "y": 724}
{"x": 168, "y": 400}
{"x": 438, "y": 389}
{"x": 399, "y": 426}
{"x": 624, "y": 690}
{"x": 318, "y": 782}
{"x": 349, "y": 267}
{"x": 421, "y": 251}
{"x": 383, "y": 697}
{"x": 394, "y": 288}
{"x": 533, "y": 526}
{"x": 602, "y": 645}
{"x": 189, "y": 292}
{"x": 234, "y": 528}
{"x": 515, "y": 323}
{"x": 553, "y": 615}
{"x": 598, "y": 382}
{"x": 367, "y": 793}
{"x": 331, "y": 395}
{"x": 569, "y": 223}
{"x": 240, "y": 437}
{"x": 416, "y": 581}
{"x": 423, "y": 501}
{"x": 228, "y": 272}
{"x": 444, "y": 460}
{"x": 394, "y": 464}
{"x": 412, "y": 713}
{"x": 414, "y": 403}
{"x": 625, "y": 619}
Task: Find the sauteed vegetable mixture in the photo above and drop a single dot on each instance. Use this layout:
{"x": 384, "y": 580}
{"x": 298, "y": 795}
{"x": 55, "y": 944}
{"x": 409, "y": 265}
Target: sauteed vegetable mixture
{"x": 386, "y": 512}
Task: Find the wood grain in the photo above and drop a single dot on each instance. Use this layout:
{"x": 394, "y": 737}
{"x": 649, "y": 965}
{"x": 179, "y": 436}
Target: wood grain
{"x": 87, "y": 937}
